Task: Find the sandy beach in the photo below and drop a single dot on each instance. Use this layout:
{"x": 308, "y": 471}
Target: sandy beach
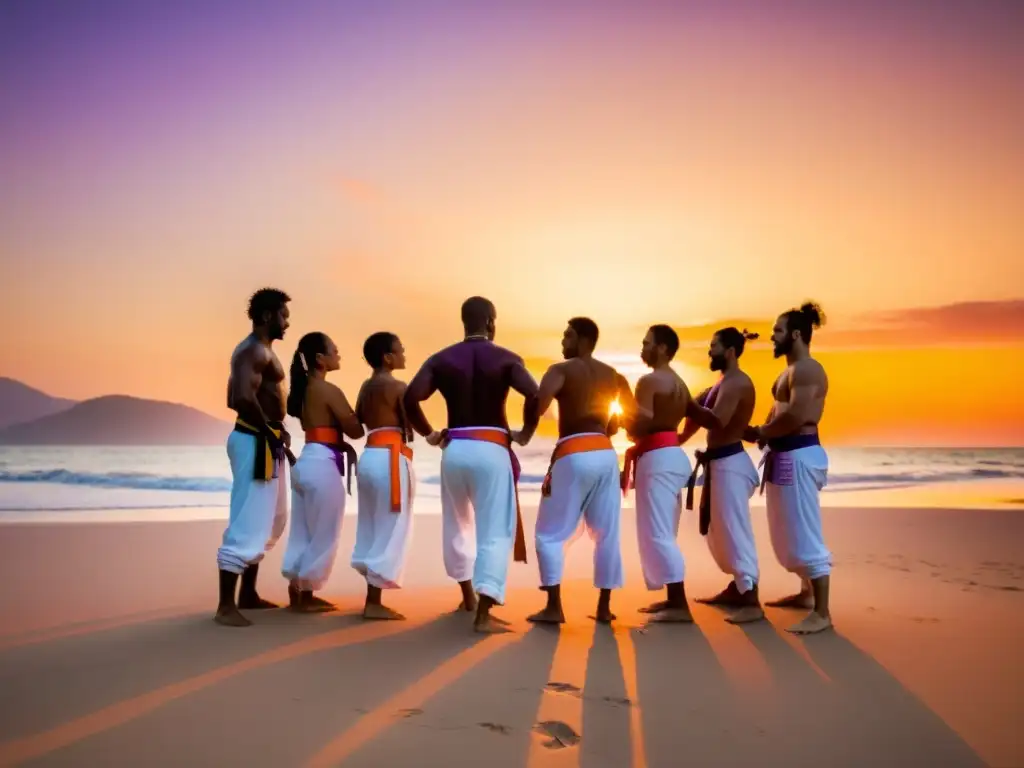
{"x": 110, "y": 657}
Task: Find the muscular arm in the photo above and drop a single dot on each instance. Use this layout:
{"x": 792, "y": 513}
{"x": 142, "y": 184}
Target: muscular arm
{"x": 550, "y": 385}
{"x": 702, "y": 416}
{"x": 344, "y": 414}
{"x": 803, "y": 385}
{"x": 522, "y": 382}
{"x": 690, "y": 428}
{"x": 420, "y": 388}
{"x": 727, "y": 401}
{"x": 246, "y": 379}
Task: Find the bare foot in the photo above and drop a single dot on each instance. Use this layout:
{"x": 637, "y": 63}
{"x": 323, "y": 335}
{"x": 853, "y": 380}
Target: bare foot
{"x": 488, "y": 626}
{"x": 255, "y": 603}
{"x": 603, "y": 616}
{"x": 746, "y": 614}
{"x": 320, "y": 603}
{"x": 230, "y": 617}
{"x": 467, "y": 605}
{"x": 548, "y": 616}
{"x": 661, "y": 605}
{"x": 730, "y": 596}
{"x": 812, "y": 624}
{"x": 803, "y": 600}
{"x": 673, "y": 616}
{"x": 378, "y": 611}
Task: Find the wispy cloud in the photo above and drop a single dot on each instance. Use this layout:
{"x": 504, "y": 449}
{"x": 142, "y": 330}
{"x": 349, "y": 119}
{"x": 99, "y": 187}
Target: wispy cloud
{"x": 974, "y": 322}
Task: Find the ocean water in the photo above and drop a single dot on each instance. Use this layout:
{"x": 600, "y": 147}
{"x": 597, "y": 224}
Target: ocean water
{"x": 63, "y": 483}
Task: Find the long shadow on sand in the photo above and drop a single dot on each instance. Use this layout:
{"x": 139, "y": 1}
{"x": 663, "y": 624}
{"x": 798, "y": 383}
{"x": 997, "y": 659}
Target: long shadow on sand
{"x": 887, "y": 724}
{"x": 46, "y": 683}
{"x": 690, "y": 708}
{"x": 260, "y": 694}
{"x": 839, "y": 704}
{"x": 606, "y": 705}
{"x": 484, "y": 716}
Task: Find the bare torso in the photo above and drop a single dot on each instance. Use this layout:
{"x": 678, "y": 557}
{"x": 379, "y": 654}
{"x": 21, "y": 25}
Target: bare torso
{"x": 253, "y": 359}
{"x": 586, "y": 396}
{"x": 814, "y": 371}
{"x": 735, "y": 384}
{"x": 669, "y": 400}
{"x": 380, "y": 403}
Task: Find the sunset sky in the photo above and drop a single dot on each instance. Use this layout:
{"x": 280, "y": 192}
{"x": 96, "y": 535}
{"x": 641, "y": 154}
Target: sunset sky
{"x": 691, "y": 163}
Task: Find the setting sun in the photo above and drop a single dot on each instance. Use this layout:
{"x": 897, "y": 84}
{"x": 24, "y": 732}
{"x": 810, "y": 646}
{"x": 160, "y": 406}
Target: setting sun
{"x": 615, "y": 409}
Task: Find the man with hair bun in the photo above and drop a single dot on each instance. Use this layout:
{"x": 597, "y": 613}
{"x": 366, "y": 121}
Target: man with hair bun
{"x": 796, "y": 466}
{"x": 257, "y": 448}
{"x": 729, "y": 477}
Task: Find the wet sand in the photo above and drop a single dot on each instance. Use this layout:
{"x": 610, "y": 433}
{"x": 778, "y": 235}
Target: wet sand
{"x": 108, "y": 656}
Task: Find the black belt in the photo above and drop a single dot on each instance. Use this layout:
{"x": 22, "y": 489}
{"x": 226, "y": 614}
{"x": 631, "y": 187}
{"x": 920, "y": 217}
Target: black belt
{"x": 704, "y": 459}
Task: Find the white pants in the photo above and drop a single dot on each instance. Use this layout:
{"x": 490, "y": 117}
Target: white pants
{"x": 258, "y": 508}
{"x": 318, "y": 506}
{"x": 731, "y": 535}
{"x": 477, "y": 482}
{"x": 661, "y": 475}
{"x": 382, "y": 535}
{"x": 585, "y": 492}
{"x": 794, "y": 511}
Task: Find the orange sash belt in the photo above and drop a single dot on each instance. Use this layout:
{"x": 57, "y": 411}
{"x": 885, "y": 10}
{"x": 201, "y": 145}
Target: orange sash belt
{"x": 646, "y": 444}
{"x": 569, "y": 446}
{"x": 392, "y": 440}
{"x": 505, "y": 441}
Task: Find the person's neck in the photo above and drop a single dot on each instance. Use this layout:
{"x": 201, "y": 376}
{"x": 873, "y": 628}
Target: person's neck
{"x": 662, "y": 366}
{"x": 262, "y": 335}
{"x": 797, "y": 354}
{"x": 730, "y": 369}
{"x": 316, "y": 373}
{"x": 585, "y": 355}
{"x": 385, "y": 372}
{"x": 477, "y": 335}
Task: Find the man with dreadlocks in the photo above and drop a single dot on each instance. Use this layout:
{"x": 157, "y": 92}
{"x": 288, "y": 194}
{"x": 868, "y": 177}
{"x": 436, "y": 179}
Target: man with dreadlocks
{"x": 257, "y": 448}
{"x": 796, "y": 466}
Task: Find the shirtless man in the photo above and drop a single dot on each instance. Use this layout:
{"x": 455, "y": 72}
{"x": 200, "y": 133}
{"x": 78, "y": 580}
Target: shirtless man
{"x": 386, "y": 479}
{"x": 583, "y": 479}
{"x": 730, "y": 478}
{"x": 661, "y": 471}
{"x": 796, "y": 466}
{"x": 257, "y": 448}
{"x": 479, "y": 471}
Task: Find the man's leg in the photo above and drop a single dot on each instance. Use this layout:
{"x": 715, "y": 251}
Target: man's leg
{"x": 457, "y": 522}
{"x": 558, "y": 521}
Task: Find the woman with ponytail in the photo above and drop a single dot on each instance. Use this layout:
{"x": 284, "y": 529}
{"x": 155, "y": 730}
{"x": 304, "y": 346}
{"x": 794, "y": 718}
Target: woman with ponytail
{"x": 318, "y": 491}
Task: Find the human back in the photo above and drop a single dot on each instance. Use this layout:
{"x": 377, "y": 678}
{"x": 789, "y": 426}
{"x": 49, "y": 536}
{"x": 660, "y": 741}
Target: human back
{"x": 584, "y": 402}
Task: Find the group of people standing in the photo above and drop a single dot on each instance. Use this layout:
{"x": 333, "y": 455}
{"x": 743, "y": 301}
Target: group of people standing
{"x": 482, "y": 527}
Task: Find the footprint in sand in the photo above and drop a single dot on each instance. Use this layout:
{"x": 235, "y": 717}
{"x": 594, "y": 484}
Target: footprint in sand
{"x": 924, "y": 619}
{"x": 561, "y": 734}
{"x": 568, "y": 688}
{"x": 410, "y": 712}
{"x": 617, "y": 700}
{"x": 504, "y": 730}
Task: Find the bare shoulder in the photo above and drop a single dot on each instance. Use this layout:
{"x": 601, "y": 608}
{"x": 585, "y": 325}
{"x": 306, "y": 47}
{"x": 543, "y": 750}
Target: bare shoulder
{"x": 808, "y": 371}
{"x": 250, "y": 351}
{"x": 394, "y": 386}
{"x": 741, "y": 382}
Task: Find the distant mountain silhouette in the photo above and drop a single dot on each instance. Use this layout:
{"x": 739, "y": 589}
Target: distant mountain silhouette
{"x": 120, "y": 420}
{"x": 20, "y": 403}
